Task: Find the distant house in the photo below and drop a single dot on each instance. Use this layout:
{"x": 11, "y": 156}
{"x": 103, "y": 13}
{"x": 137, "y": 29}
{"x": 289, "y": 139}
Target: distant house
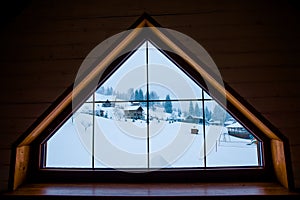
{"x": 237, "y": 130}
{"x": 107, "y": 103}
{"x": 99, "y": 113}
{"x": 215, "y": 122}
{"x": 194, "y": 119}
{"x": 134, "y": 112}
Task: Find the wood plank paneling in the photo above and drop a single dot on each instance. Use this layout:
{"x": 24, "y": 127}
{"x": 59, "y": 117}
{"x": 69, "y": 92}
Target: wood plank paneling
{"x": 41, "y": 80}
{"x": 79, "y": 51}
{"x": 64, "y": 66}
{"x": 4, "y": 174}
{"x": 4, "y": 168}
{"x": 72, "y": 51}
{"x": 76, "y": 9}
{"x": 225, "y": 17}
{"x": 276, "y": 104}
{"x": 291, "y": 132}
{"x": 256, "y": 59}
{"x": 284, "y": 120}
{"x": 46, "y": 26}
{"x": 295, "y": 149}
{"x": 260, "y": 74}
{"x": 214, "y": 38}
{"x": 3, "y": 185}
{"x": 5, "y": 156}
{"x": 15, "y": 125}
{"x": 267, "y": 89}
{"x": 22, "y": 110}
{"x": 31, "y": 95}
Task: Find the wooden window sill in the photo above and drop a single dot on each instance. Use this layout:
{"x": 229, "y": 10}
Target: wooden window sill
{"x": 154, "y": 190}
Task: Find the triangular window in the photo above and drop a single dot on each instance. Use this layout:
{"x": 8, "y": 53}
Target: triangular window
{"x": 150, "y": 114}
{"x": 150, "y": 99}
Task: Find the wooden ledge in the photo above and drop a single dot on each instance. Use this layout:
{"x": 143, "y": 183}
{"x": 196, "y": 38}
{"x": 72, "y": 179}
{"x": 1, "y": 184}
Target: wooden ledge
{"x": 153, "y": 190}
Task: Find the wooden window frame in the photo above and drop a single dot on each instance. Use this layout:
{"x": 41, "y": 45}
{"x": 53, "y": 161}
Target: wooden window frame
{"x": 27, "y": 150}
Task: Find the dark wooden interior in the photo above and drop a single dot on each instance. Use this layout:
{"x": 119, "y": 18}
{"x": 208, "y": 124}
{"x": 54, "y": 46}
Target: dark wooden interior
{"x": 255, "y": 45}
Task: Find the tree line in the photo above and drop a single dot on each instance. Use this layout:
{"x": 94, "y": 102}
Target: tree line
{"x": 138, "y": 95}
{"x": 217, "y": 114}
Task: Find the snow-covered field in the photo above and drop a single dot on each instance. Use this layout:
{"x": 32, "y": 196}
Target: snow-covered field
{"x": 110, "y": 139}
{"x": 125, "y": 144}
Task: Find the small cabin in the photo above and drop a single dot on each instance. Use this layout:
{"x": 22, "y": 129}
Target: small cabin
{"x": 215, "y": 122}
{"x": 194, "y": 119}
{"x": 99, "y": 113}
{"x": 134, "y": 112}
{"x": 108, "y": 103}
{"x": 237, "y": 130}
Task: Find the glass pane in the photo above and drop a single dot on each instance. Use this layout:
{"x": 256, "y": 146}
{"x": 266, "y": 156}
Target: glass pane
{"x": 180, "y": 132}
{"x": 228, "y": 143}
{"x": 206, "y": 96}
{"x": 128, "y": 79}
{"x": 71, "y": 145}
{"x": 121, "y": 136}
{"x": 165, "y": 78}
{"x": 176, "y": 138}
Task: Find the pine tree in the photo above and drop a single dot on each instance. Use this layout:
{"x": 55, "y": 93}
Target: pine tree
{"x": 101, "y": 90}
{"x": 136, "y": 95}
{"x": 168, "y": 105}
{"x": 110, "y": 91}
{"x": 218, "y": 114}
{"x": 191, "y": 109}
{"x": 130, "y": 94}
{"x": 179, "y": 112}
{"x": 207, "y": 114}
{"x": 198, "y": 112}
{"x": 152, "y": 96}
{"x": 140, "y": 95}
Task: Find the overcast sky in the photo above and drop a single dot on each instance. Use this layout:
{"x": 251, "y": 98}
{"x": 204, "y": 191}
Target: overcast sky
{"x": 164, "y": 76}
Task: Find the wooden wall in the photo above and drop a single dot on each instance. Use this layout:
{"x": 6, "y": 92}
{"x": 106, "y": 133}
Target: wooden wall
{"x": 255, "y": 44}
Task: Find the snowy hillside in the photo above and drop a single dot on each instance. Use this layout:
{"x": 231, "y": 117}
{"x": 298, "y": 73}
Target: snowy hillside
{"x": 123, "y": 144}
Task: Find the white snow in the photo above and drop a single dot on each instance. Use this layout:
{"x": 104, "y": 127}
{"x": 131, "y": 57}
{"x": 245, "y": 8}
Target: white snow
{"x": 123, "y": 144}
{"x": 235, "y": 125}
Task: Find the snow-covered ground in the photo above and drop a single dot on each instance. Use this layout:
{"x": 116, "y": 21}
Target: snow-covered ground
{"x": 124, "y": 144}
{"x": 117, "y": 142}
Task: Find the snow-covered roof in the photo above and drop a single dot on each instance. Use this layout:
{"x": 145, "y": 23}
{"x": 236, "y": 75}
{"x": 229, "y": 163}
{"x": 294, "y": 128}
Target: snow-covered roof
{"x": 133, "y": 107}
{"x": 194, "y": 117}
{"x": 235, "y": 125}
{"x": 229, "y": 122}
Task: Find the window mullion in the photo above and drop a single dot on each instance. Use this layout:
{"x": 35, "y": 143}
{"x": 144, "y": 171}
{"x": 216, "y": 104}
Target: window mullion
{"x": 93, "y": 133}
{"x": 203, "y": 126}
{"x": 147, "y": 98}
